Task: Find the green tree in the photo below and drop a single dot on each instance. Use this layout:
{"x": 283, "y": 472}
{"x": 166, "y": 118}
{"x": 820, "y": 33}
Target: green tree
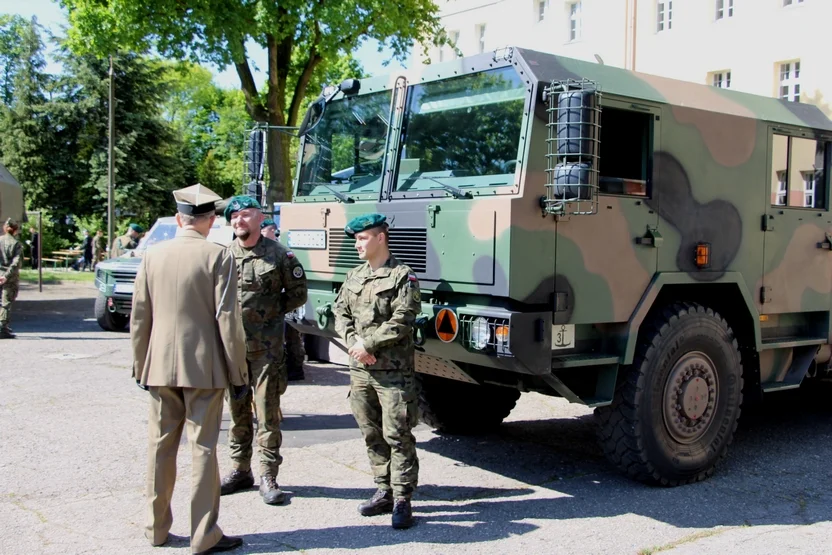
{"x": 300, "y": 37}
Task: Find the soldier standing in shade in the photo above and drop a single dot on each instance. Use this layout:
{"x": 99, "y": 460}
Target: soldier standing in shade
{"x": 271, "y": 282}
{"x": 374, "y": 313}
{"x": 128, "y": 241}
{"x": 11, "y": 257}
{"x": 269, "y": 229}
{"x": 187, "y": 339}
{"x": 99, "y": 245}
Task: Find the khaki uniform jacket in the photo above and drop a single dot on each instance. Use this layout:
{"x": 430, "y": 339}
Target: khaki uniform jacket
{"x": 185, "y": 327}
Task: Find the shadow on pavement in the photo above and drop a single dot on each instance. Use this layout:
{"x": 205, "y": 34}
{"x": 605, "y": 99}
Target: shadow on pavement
{"x": 54, "y": 315}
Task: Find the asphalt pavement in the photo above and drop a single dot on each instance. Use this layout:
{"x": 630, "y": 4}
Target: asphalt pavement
{"x": 73, "y": 429}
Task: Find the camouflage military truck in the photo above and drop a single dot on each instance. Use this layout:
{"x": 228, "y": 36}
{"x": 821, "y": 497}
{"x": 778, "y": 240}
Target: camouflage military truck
{"x": 657, "y": 249}
{"x": 114, "y": 277}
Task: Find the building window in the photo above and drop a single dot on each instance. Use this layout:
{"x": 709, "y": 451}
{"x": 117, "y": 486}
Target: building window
{"x": 809, "y": 189}
{"x": 724, "y": 9}
{"x": 454, "y": 37}
{"x": 542, "y": 9}
{"x": 790, "y": 81}
{"x": 791, "y": 2}
{"x": 481, "y": 37}
{"x": 664, "y": 15}
{"x": 721, "y": 79}
{"x": 574, "y": 21}
{"x": 782, "y": 189}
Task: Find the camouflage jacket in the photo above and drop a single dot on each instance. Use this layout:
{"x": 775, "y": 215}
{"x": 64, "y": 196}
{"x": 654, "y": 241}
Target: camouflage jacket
{"x": 122, "y": 244}
{"x": 380, "y": 308}
{"x": 11, "y": 257}
{"x": 270, "y": 283}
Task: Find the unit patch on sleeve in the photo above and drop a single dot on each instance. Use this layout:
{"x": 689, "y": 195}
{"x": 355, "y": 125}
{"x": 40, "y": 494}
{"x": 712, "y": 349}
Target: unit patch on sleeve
{"x": 297, "y": 272}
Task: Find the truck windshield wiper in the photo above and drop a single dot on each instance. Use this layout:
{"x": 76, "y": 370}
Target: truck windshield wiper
{"x": 455, "y": 191}
{"x": 338, "y": 194}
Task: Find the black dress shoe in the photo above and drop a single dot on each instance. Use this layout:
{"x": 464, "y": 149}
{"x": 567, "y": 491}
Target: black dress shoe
{"x": 226, "y": 543}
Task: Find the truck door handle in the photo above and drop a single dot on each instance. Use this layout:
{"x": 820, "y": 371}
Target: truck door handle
{"x": 652, "y": 238}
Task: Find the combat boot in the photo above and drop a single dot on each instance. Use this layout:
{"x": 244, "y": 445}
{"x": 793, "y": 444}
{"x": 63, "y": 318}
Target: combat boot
{"x": 6, "y": 333}
{"x": 402, "y": 514}
{"x": 381, "y": 502}
{"x": 270, "y": 491}
{"x": 296, "y": 374}
{"x": 236, "y": 480}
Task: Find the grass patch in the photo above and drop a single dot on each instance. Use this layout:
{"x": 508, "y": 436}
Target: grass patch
{"x": 687, "y": 539}
{"x": 57, "y": 276}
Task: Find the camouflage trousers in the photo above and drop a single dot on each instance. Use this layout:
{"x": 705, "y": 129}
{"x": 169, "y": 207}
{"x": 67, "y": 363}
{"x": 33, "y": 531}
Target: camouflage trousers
{"x": 8, "y": 293}
{"x": 385, "y": 406}
{"x": 295, "y": 352}
{"x": 267, "y": 375}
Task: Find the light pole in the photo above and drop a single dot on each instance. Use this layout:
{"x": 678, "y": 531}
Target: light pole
{"x": 111, "y": 164}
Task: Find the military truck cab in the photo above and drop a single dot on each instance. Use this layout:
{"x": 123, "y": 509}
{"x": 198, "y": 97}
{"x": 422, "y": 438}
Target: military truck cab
{"x": 657, "y": 249}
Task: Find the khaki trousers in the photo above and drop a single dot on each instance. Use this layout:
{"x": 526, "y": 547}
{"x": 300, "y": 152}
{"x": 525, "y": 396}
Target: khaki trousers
{"x": 170, "y": 409}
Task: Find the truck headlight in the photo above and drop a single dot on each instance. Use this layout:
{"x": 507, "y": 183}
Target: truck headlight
{"x": 479, "y": 333}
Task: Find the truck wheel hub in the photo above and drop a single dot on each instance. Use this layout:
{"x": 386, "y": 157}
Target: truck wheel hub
{"x": 690, "y": 397}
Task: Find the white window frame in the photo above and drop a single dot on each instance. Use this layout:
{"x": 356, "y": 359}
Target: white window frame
{"x": 787, "y": 3}
{"x": 724, "y": 9}
{"x": 788, "y": 80}
{"x": 481, "y": 38}
{"x": 454, "y": 36}
{"x": 721, "y": 79}
{"x": 782, "y": 189}
{"x": 664, "y": 15}
{"x": 574, "y": 18}
{"x": 542, "y": 10}
{"x": 809, "y": 189}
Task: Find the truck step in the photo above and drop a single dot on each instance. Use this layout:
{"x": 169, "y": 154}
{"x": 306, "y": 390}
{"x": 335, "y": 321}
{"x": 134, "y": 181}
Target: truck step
{"x": 789, "y": 342}
{"x": 575, "y": 361}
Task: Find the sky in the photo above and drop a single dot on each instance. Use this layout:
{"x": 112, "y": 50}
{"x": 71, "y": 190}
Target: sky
{"x": 51, "y": 16}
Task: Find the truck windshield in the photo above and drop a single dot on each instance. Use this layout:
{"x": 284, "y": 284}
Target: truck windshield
{"x": 463, "y": 132}
{"x": 162, "y": 231}
{"x": 343, "y": 154}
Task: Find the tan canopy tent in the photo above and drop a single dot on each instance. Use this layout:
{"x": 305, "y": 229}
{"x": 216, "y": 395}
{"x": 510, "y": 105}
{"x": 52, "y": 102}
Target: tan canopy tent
{"x": 11, "y": 198}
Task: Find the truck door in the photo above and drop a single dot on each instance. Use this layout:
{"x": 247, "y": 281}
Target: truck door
{"x": 605, "y": 261}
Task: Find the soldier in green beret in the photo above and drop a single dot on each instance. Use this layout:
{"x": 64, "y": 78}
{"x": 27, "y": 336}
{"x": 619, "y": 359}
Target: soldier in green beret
{"x": 374, "y": 313}
{"x": 269, "y": 229}
{"x": 11, "y": 258}
{"x": 128, "y": 241}
{"x": 271, "y": 282}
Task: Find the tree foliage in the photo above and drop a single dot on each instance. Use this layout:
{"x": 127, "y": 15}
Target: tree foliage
{"x": 302, "y": 39}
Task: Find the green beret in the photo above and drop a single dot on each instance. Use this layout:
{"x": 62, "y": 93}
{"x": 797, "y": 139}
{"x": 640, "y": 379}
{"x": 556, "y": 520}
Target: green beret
{"x": 240, "y": 202}
{"x": 137, "y": 228}
{"x": 363, "y": 223}
{"x": 267, "y": 222}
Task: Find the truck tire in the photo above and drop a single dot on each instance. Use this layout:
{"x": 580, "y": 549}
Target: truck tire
{"x": 674, "y": 415}
{"x": 457, "y": 407}
{"x": 109, "y": 321}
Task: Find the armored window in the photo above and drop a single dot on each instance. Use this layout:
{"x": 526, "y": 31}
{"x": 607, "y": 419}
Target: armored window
{"x": 462, "y": 133}
{"x": 799, "y": 176}
{"x": 624, "y": 164}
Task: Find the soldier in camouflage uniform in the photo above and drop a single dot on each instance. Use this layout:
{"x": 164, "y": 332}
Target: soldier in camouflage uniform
{"x": 128, "y": 241}
{"x": 374, "y": 313}
{"x": 271, "y": 282}
{"x": 11, "y": 257}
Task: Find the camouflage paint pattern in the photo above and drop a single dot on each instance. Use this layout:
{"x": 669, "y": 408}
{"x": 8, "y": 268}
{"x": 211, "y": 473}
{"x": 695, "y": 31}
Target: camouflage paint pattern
{"x": 709, "y": 181}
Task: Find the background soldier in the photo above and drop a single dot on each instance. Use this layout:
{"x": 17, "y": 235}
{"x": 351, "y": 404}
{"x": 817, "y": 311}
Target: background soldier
{"x": 269, "y": 229}
{"x": 374, "y": 313}
{"x": 99, "y": 245}
{"x": 187, "y": 340}
{"x": 128, "y": 241}
{"x": 33, "y": 246}
{"x": 271, "y": 282}
{"x": 11, "y": 257}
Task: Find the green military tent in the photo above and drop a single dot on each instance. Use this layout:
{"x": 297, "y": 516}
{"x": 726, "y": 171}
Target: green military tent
{"x": 11, "y": 197}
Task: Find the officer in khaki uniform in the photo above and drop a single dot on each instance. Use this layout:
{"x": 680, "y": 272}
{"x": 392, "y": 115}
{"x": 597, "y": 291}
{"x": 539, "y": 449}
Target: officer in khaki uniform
{"x": 188, "y": 346}
{"x": 271, "y": 282}
{"x": 11, "y": 258}
{"x": 375, "y": 310}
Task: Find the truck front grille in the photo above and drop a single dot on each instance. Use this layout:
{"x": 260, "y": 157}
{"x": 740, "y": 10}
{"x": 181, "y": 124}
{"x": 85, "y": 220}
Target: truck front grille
{"x": 408, "y": 244}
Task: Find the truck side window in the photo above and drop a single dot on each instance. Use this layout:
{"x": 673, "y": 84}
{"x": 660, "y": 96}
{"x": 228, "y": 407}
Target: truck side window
{"x": 626, "y": 152}
{"x": 798, "y": 172}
